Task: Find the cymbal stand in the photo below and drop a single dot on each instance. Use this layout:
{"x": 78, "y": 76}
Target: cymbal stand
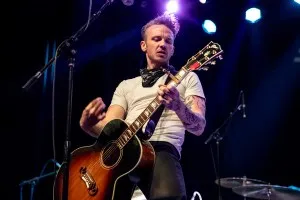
{"x": 244, "y": 183}
{"x": 218, "y": 137}
{"x": 269, "y": 193}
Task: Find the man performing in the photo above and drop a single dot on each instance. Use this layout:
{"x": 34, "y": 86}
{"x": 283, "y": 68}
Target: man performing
{"x": 184, "y": 111}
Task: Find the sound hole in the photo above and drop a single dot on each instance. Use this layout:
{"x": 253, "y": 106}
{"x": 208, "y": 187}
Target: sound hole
{"x": 111, "y": 154}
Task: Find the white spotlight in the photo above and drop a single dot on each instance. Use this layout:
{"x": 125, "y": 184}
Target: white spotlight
{"x": 172, "y": 6}
{"x": 253, "y": 15}
{"x": 209, "y": 26}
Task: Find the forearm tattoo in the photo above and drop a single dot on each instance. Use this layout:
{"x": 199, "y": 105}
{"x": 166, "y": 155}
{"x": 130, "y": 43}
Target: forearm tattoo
{"x": 174, "y": 106}
{"x": 193, "y": 121}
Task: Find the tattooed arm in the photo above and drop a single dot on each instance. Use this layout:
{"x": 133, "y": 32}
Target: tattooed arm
{"x": 191, "y": 112}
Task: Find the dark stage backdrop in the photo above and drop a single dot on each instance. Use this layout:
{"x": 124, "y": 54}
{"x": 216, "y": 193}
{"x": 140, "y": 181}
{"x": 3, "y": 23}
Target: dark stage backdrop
{"x": 261, "y": 59}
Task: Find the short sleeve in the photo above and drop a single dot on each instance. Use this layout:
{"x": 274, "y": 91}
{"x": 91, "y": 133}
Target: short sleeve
{"x": 193, "y": 85}
{"x": 119, "y": 96}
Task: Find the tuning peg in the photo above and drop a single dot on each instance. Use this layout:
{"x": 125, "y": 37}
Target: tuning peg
{"x": 204, "y": 68}
{"x": 220, "y": 57}
{"x": 212, "y": 62}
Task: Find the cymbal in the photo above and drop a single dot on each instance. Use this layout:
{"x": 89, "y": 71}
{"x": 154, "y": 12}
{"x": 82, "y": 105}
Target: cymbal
{"x": 232, "y": 182}
{"x": 269, "y": 192}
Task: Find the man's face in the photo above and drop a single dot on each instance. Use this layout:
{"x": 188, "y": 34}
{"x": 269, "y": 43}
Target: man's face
{"x": 158, "y": 44}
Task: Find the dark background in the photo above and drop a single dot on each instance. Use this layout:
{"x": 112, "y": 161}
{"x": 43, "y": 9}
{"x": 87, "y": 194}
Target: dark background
{"x": 258, "y": 59}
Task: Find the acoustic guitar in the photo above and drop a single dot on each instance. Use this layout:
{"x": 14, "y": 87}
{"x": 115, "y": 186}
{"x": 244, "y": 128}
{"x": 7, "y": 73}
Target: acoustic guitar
{"x": 119, "y": 150}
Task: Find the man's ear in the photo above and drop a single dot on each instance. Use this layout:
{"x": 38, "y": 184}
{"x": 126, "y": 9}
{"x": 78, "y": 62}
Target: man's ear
{"x": 143, "y": 46}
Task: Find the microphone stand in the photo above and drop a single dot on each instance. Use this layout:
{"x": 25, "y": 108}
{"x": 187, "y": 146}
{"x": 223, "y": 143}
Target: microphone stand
{"x": 219, "y": 137}
{"x": 34, "y": 181}
{"x": 67, "y": 46}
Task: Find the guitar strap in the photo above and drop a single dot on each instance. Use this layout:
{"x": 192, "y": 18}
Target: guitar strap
{"x": 150, "y": 127}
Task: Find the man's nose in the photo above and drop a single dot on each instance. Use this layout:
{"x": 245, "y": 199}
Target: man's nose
{"x": 162, "y": 44}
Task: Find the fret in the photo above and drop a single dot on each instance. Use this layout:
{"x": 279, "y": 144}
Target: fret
{"x": 150, "y": 109}
{"x": 128, "y": 137}
{"x": 157, "y": 103}
{"x": 125, "y": 137}
{"x": 178, "y": 77}
{"x": 132, "y": 128}
{"x": 147, "y": 113}
{"x": 128, "y": 133}
{"x": 137, "y": 123}
{"x": 153, "y": 105}
{"x": 121, "y": 142}
{"x": 143, "y": 116}
{"x": 140, "y": 119}
{"x": 181, "y": 73}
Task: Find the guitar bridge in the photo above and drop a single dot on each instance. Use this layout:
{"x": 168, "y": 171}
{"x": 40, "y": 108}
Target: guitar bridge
{"x": 89, "y": 181}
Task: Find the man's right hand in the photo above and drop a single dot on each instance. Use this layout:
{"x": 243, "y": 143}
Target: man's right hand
{"x": 92, "y": 114}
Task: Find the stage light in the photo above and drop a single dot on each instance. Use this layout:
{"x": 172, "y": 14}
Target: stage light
{"x": 297, "y": 1}
{"x": 209, "y": 26}
{"x": 128, "y": 2}
{"x": 202, "y": 1}
{"x": 172, "y": 6}
{"x": 253, "y": 15}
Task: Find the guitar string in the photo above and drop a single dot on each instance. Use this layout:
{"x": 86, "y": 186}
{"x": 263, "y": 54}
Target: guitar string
{"x": 112, "y": 149}
{"x": 92, "y": 165}
{"x": 106, "y": 154}
{"x": 109, "y": 151}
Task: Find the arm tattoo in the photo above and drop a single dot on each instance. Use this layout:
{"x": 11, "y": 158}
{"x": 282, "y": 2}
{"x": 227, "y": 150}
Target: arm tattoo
{"x": 193, "y": 121}
{"x": 195, "y": 128}
{"x": 175, "y": 106}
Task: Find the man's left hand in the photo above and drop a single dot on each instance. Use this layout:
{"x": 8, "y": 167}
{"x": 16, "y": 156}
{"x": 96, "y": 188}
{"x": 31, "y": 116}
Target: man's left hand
{"x": 169, "y": 96}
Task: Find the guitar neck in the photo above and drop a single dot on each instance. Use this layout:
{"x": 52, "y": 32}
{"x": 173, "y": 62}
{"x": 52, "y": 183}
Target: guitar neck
{"x": 149, "y": 111}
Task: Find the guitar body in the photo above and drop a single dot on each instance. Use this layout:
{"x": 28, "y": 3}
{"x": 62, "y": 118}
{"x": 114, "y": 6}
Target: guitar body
{"x": 94, "y": 170}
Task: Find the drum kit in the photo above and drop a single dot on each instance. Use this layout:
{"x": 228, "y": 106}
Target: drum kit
{"x": 257, "y": 189}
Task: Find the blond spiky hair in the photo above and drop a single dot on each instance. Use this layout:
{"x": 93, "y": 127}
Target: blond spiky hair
{"x": 168, "y": 20}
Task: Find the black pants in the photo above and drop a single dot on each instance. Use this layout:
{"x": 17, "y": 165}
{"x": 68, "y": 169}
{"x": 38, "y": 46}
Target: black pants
{"x": 167, "y": 181}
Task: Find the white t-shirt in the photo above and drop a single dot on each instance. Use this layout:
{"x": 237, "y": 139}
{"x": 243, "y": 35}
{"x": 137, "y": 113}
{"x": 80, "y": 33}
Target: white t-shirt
{"x": 134, "y": 98}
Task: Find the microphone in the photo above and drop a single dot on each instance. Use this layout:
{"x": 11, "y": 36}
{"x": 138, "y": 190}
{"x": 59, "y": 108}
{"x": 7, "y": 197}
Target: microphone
{"x": 243, "y": 104}
{"x": 128, "y": 2}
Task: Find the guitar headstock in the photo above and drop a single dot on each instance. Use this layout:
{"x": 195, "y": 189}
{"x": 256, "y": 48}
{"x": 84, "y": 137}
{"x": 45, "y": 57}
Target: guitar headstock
{"x": 205, "y": 57}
